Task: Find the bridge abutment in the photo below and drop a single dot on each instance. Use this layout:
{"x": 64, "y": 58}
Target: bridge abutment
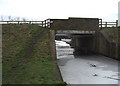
{"x": 105, "y": 47}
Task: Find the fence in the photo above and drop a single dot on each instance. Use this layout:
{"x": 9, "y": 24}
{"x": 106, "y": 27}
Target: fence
{"x": 45, "y": 23}
{"x": 107, "y": 24}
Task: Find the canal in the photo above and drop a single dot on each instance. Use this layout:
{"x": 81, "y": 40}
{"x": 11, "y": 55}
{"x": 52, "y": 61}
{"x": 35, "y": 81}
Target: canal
{"x": 85, "y": 69}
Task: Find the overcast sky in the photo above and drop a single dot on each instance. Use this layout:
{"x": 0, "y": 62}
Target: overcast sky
{"x": 43, "y": 9}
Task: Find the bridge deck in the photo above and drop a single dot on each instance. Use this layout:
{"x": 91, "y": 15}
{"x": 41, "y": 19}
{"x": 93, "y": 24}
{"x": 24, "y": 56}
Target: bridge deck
{"x": 74, "y": 32}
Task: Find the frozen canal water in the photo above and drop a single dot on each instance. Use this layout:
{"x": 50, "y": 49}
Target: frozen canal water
{"x": 91, "y": 69}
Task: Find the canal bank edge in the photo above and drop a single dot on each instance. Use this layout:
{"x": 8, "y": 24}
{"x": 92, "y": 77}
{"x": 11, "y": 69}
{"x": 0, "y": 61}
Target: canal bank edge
{"x": 53, "y": 54}
{"x": 39, "y": 59}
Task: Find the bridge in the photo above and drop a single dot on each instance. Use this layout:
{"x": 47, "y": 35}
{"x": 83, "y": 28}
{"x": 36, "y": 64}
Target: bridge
{"x": 85, "y": 33}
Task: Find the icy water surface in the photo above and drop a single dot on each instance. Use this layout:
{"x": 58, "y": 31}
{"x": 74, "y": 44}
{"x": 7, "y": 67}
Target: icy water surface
{"x": 89, "y": 69}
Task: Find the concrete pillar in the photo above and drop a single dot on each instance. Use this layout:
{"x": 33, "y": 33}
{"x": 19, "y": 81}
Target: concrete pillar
{"x": 75, "y": 44}
{"x": 53, "y": 54}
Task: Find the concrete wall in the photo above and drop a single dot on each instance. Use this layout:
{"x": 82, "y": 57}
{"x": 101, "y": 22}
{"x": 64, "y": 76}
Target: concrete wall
{"x": 75, "y": 24}
{"x": 105, "y": 47}
{"x": 98, "y": 43}
{"x": 118, "y": 51}
{"x": 53, "y": 54}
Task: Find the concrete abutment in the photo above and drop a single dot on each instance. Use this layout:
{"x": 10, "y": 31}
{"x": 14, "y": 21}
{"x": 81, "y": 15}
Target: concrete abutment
{"x": 98, "y": 43}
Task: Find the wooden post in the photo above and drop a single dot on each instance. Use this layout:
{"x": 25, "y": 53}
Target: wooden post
{"x": 105, "y": 24}
{"x": 29, "y": 22}
{"x": 116, "y": 23}
{"x": 101, "y": 23}
{"x": 45, "y": 23}
{"x": 48, "y": 23}
{"x": 42, "y": 23}
{"x": 18, "y": 22}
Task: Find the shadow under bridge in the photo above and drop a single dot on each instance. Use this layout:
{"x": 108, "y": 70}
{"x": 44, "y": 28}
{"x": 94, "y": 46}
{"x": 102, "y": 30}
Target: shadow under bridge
{"x": 83, "y": 43}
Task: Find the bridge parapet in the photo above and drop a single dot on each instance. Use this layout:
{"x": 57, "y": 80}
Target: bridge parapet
{"x": 89, "y": 24}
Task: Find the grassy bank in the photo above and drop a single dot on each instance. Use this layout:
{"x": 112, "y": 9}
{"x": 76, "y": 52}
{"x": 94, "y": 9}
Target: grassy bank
{"x": 38, "y": 68}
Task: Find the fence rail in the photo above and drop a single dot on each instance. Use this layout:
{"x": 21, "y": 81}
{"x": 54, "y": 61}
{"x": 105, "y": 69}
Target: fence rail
{"x": 107, "y": 24}
{"x": 45, "y": 23}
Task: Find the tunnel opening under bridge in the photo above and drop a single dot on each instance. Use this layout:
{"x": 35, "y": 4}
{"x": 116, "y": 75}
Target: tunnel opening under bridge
{"x": 83, "y": 44}
{"x": 81, "y": 41}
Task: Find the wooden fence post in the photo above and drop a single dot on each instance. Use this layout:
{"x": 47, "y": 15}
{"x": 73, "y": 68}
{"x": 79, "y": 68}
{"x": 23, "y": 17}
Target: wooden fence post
{"x": 105, "y": 24}
{"x": 116, "y": 23}
{"x": 18, "y": 22}
{"x": 101, "y": 23}
{"x": 42, "y": 23}
{"x": 45, "y": 23}
{"x": 29, "y": 22}
{"x": 48, "y": 23}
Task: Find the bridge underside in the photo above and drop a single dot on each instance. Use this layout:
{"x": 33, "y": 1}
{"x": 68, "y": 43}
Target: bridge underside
{"x": 83, "y": 43}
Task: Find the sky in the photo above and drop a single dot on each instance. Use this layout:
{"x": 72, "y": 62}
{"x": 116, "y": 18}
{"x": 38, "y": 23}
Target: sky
{"x": 60, "y": 9}
{"x": 119, "y": 14}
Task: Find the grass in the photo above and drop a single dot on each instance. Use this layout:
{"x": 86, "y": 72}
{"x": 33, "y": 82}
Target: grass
{"x": 38, "y": 68}
{"x": 16, "y": 39}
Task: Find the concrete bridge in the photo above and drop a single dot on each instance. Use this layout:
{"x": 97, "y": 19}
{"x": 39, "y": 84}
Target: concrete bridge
{"x": 89, "y": 24}
{"x": 86, "y": 35}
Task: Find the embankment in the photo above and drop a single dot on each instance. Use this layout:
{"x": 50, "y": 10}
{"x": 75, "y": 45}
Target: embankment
{"x": 27, "y": 55}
